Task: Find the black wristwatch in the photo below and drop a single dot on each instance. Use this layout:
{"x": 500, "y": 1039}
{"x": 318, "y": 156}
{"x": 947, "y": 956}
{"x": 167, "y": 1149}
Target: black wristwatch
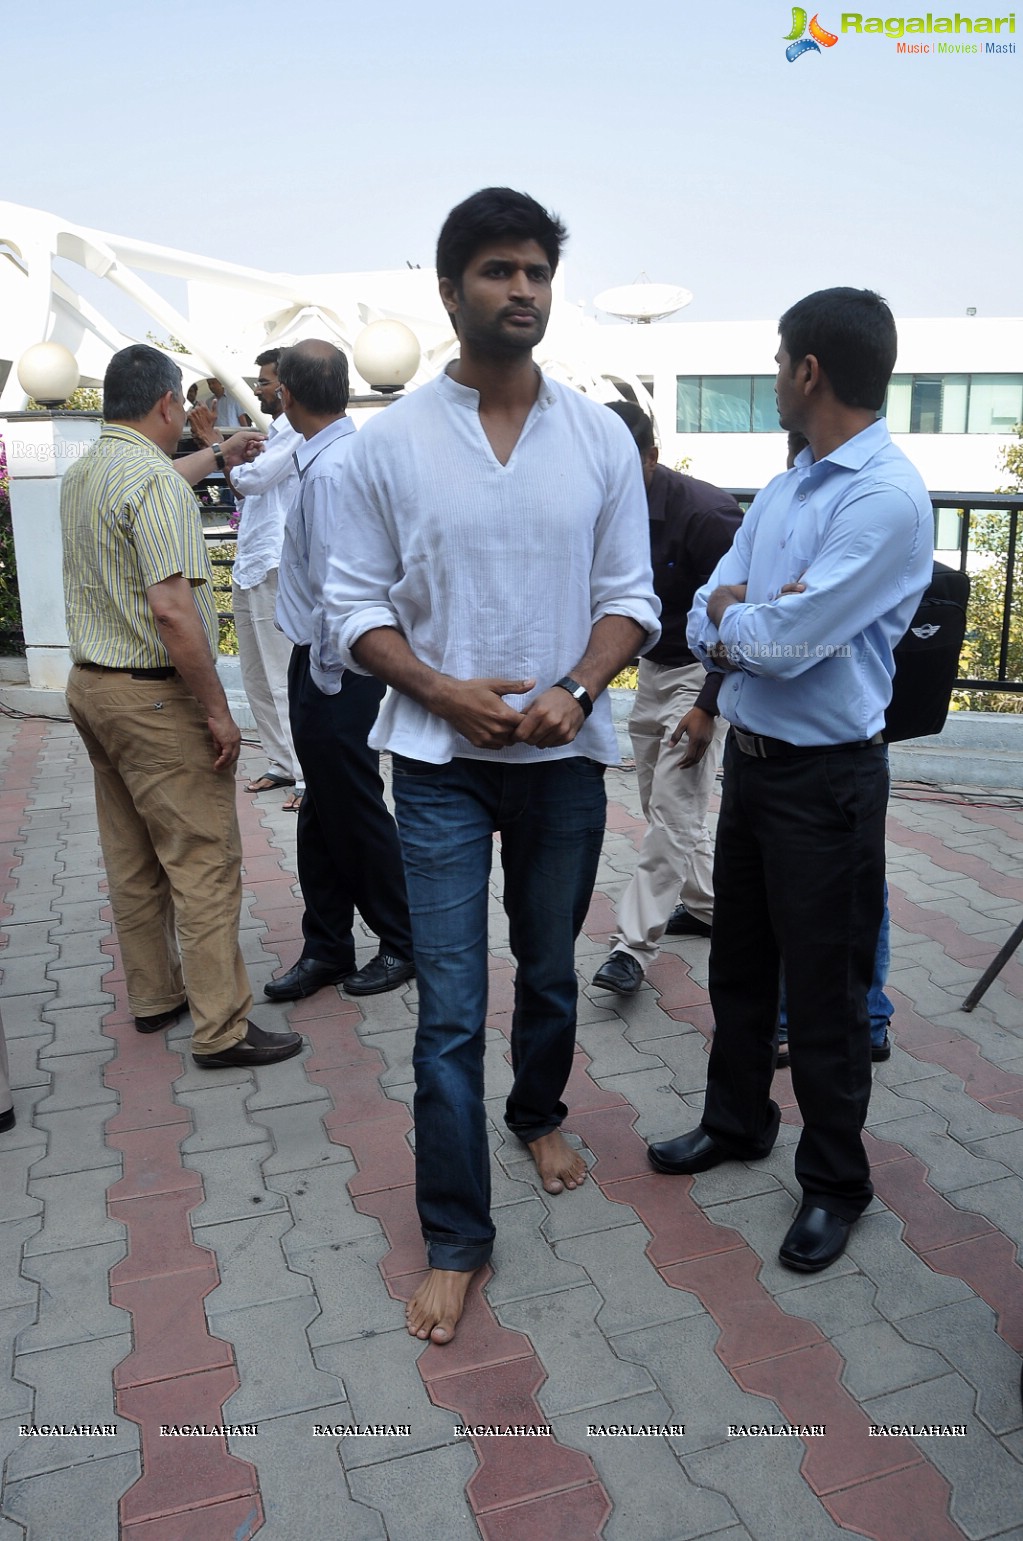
{"x": 218, "y": 456}
{"x": 577, "y": 692}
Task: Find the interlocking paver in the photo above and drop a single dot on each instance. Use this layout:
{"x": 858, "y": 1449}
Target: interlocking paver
{"x": 384, "y": 1386}
{"x": 965, "y": 1336}
{"x": 302, "y": 1481}
{"x": 74, "y": 1297}
{"x": 561, "y": 1325}
{"x": 277, "y": 1372}
{"x": 979, "y": 1508}
{"x": 252, "y": 1266}
{"x": 420, "y": 1494}
{"x": 50, "y": 1505}
{"x": 653, "y": 1498}
{"x": 71, "y": 1385}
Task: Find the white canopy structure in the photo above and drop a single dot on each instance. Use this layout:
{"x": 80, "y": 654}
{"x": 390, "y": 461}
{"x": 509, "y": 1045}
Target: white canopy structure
{"x": 233, "y": 312}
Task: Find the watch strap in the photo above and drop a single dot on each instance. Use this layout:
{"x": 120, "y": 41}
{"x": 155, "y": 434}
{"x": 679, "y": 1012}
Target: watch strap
{"x": 577, "y": 692}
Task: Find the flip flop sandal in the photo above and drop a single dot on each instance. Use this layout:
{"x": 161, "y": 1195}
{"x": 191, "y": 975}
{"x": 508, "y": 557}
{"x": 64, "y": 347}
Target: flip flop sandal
{"x": 269, "y": 782}
{"x": 293, "y": 804}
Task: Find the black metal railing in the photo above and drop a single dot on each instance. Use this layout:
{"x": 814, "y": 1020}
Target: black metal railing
{"x": 963, "y": 506}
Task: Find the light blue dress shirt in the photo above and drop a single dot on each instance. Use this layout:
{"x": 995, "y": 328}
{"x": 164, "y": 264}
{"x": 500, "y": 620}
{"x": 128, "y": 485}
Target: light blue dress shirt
{"x": 311, "y": 528}
{"x": 857, "y": 529}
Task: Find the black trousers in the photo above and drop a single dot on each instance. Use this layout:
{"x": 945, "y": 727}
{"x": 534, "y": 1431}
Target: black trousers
{"x": 348, "y": 852}
{"x": 798, "y": 879}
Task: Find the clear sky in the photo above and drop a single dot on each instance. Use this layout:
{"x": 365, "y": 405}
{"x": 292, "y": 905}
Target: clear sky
{"x": 673, "y": 137}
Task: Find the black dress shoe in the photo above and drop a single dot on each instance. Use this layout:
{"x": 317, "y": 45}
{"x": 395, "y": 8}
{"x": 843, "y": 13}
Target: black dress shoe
{"x": 881, "y": 1051}
{"x": 692, "y": 1152}
{"x": 7, "y": 1120}
{"x": 814, "y": 1240}
{"x": 161, "y": 1020}
{"x": 620, "y": 973}
{"x": 304, "y": 979}
{"x": 681, "y": 923}
{"x": 782, "y": 1062}
{"x": 256, "y": 1048}
{"x": 381, "y": 973}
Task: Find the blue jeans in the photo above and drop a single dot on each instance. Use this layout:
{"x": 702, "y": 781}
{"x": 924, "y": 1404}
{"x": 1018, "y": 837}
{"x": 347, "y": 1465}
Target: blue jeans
{"x": 550, "y": 816}
{"x": 879, "y": 1007}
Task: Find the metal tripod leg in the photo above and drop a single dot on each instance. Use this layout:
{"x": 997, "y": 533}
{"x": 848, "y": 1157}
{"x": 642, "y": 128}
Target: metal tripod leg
{"x": 994, "y": 968}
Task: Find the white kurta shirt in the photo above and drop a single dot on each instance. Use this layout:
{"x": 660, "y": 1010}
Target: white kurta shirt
{"x": 488, "y": 570}
{"x": 269, "y": 486}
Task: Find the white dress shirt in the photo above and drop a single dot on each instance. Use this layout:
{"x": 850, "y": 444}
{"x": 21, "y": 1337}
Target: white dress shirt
{"x": 488, "y": 570}
{"x": 312, "y": 525}
{"x": 269, "y": 486}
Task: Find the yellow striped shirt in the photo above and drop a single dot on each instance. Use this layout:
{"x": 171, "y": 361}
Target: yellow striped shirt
{"x": 128, "y": 521}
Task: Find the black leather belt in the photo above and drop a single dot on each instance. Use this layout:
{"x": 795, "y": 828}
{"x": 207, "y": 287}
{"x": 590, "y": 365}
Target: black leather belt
{"x": 136, "y": 674}
{"x": 761, "y": 748}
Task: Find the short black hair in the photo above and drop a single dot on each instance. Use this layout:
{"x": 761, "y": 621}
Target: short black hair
{"x": 136, "y": 379}
{"x": 318, "y": 384}
{"x": 495, "y": 214}
{"x": 851, "y": 333}
{"x": 269, "y": 357}
{"x": 636, "y": 421}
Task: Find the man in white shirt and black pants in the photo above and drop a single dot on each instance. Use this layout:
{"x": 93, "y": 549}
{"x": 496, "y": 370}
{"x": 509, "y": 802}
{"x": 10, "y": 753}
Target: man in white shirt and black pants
{"x": 348, "y": 853}
{"x": 495, "y": 572}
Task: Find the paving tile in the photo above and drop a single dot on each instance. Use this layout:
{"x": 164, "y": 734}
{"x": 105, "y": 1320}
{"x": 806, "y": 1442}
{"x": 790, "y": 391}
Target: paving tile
{"x": 16, "y": 1395}
{"x": 23, "y": 1014}
{"x": 1001, "y": 1202}
{"x": 347, "y": 1283}
{"x": 906, "y": 1285}
{"x": 877, "y": 1359}
{"x": 419, "y": 1495}
{"x": 299, "y": 1140}
{"x": 1007, "y": 1149}
{"x": 634, "y": 1294}
{"x": 302, "y": 1483}
{"x": 74, "y": 1300}
{"x": 965, "y": 1336}
{"x": 381, "y": 1376}
{"x": 321, "y": 1208}
{"x": 81, "y": 986}
{"x": 159, "y": 1236}
{"x": 253, "y": 1269}
{"x": 524, "y": 1264}
{"x": 653, "y": 1499}
{"x": 951, "y": 1167}
{"x": 988, "y": 1264}
{"x": 573, "y": 1350}
{"x": 75, "y": 1081}
{"x": 221, "y": 1119}
{"x": 169, "y": 1328}
{"x": 23, "y": 1055}
{"x": 277, "y": 1373}
{"x": 77, "y": 1029}
{"x": 74, "y": 1143}
{"x": 143, "y": 1100}
{"x": 71, "y": 1384}
{"x": 567, "y": 1516}
{"x": 49, "y": 1505}
{"x": 762, "y": 1480}
{"x": 181, "y": 1474}
{"x": 232, "y": 1180}
{"x": 678, "y": 1228}
{"x": 75, "y": 1212}
{"x": 930, "y": 1220}
{"x": 151, "y": 1161}
{"x": 980, "y": 1508}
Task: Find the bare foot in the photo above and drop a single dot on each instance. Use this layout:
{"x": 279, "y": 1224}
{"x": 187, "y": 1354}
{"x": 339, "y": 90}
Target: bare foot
{"x": 560, "y": 1166}
{"x": 438, "y": 1303}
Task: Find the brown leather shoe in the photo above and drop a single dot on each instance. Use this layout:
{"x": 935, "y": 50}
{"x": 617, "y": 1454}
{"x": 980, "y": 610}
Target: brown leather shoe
{"x": 161, "y": 1020}
{"x": 256, "y": 1048}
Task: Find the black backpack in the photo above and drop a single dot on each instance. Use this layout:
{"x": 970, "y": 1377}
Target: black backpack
{"x": 927, "y": 658}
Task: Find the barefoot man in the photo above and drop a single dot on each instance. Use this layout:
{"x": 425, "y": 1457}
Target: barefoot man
{"x": 495, "y": 572}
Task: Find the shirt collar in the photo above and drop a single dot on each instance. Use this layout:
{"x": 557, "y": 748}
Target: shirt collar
{"x": 854, "y": 454}
{"x": 132, "y": 436}
{"x": 466, "y": 396}
{"x": 308, "y": 450}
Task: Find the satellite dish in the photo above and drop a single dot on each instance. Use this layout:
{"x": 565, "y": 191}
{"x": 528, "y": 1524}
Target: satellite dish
{"x": 643, "y": 301}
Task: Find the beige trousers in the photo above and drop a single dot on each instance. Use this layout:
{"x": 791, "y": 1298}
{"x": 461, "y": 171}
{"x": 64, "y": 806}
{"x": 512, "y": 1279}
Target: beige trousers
{"x": 264, "y": 654}
{"x": 168, "y": 826}
{"x": 677, "y": 854}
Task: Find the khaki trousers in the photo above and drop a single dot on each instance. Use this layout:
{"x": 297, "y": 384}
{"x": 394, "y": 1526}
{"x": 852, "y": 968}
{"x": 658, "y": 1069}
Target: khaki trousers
{"x": 168, "y": 826}
{"x": 264, "y": 654}
{"x": 676, "y": 857}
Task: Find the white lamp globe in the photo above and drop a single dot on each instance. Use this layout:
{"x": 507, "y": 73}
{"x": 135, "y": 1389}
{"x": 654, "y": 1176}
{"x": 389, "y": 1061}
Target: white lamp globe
{"x": 386, "y": 353}
{"x": 48, "y": 372}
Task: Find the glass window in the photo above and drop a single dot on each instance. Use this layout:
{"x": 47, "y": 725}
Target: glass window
{"x": 725, "y": 404}
{"x": 765, "y": 408}
{"x": 954, "y": 394}
{"x": 996, "y": 403}
{"x": 898, "y": 403}
{"x": 925, "y": 412}
{"x": 687, "y": 404}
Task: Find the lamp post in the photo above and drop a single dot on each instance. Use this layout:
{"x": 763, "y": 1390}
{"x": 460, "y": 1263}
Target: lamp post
{"x": 48, "y": 373}
{"x": 386, "y": 354}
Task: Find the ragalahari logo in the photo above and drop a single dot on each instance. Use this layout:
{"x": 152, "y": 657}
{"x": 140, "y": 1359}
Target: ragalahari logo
{"x": 797, "y": 40}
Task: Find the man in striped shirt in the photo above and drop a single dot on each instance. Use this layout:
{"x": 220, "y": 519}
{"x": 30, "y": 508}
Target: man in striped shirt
{"x": 144, "y": 695}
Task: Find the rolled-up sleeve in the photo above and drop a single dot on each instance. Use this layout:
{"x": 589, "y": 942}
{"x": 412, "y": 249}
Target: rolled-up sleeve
{"x": 621, "y": 580}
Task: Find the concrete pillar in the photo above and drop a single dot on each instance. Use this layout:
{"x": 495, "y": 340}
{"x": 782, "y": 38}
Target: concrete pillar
{"x": 41, "y": 446}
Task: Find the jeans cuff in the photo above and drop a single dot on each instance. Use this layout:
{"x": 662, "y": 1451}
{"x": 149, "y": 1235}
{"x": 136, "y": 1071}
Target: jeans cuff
{"x": 459, "y": 1256}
